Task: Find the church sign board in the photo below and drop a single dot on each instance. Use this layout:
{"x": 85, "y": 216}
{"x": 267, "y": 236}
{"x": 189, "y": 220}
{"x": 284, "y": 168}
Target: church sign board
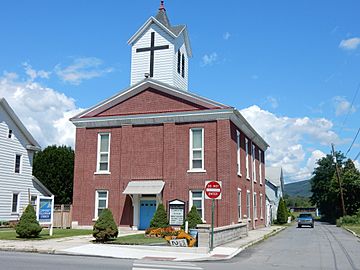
{"x": 176, "y": 212}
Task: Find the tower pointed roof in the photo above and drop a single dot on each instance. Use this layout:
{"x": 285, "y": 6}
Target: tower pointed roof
{"x": 162, "y": 17}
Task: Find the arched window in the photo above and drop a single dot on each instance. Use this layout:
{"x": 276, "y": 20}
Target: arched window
{"x": 179, "y": 62}
{"x": 183, "y": 66}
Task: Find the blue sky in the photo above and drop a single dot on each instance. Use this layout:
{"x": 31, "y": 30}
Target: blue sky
{"x": 291, "y": 67}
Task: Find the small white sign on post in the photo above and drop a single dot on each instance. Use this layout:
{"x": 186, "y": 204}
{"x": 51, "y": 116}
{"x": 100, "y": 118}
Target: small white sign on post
{"x": 45, "y": 211}
{"x": 178, "y": 243}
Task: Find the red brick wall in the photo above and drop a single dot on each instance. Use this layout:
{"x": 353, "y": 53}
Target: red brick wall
{"x": 160, "y": 152}
{"x": 151, "y": 101}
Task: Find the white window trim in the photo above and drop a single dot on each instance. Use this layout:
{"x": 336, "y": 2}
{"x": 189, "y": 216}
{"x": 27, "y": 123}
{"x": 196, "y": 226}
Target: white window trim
{"x": 17, "y": 203}
{"x": 260, "y": 167}
{"x": 261, "y": 206}
{"x": 20, "y": 165}
{"x": 238, "y": 152}
{"x": 202, "y": 202}
{"x": 98, "y": 171}
{"x": 247, "y": 158}
{"x": 239, "y": 205}
{"x": 248, "y": 205}
{"x": 255, "y": 206}
{"x": 191, "y": 169}
{"x": 97, "y": 201}
{"x": 253, "y": 159}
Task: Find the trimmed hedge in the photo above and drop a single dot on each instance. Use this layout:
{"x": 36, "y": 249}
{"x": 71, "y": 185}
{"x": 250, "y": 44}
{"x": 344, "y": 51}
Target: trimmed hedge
{"x": 105, "y": 227}
{"x": 28, "y": 226}
{"x": 193, "y": 218}
{"x": 159, "y": 219}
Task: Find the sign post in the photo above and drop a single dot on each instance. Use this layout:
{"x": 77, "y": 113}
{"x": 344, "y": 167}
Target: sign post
{"x": 212, "y": 192}
{"x": 45, "y": 211}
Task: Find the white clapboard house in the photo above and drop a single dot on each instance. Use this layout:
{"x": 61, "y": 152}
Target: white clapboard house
{"x": 274, "y": 188}
{"x": 18, "y": 186}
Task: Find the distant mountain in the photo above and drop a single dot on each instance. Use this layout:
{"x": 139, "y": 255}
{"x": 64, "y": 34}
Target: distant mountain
{"x": 302, "y": 188}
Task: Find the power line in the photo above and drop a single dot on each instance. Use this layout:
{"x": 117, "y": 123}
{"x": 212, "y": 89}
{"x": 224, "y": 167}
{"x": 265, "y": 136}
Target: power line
{"x": 352, "y": 142}
{"x": 357, "y": 156}
{"x": 351, "y": 106}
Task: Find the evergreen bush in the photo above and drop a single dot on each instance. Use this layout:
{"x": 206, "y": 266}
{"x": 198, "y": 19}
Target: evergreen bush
{"x": 28, "y": 226}
{"x": 193, "y": 218}
{"x": 282, "y": 212}
{"x": 159, "y": 219}
{"x": 105, "y": 227}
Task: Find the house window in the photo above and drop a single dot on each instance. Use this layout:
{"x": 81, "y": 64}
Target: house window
{"x": 196, "y": 149}
{"x": 248, "y": 204}
{"x": 239, "y": 204}
{"x": 253, "y": 163}
{"x": 238, "y": 152}
{"x": 255, "y": 205}
{"x": 103, "y": 157}
{"x": 179, "y": 62}
{"x": 17, "y": 163}
{"x": 183, "y": 66}
{"x": 197, "y": 199}
{"x": 247, "y": 158}
{"x": 101, "y": 202}
{"x": 33, "y": 200}
{"x": 261, "y": 207}
{"x": 260, "y": 167}
{"x": 15, "y": 203}
{"x": 10, "y": 134}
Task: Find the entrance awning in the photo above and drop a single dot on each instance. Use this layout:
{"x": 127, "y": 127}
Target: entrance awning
{"x": 144, "y": 187}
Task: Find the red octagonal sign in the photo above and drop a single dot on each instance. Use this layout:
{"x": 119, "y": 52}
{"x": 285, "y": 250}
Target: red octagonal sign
{"x": 213, "y": 190}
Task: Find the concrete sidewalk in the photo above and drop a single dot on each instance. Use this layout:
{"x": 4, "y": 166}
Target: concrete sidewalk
{"x": 81, "y": 245}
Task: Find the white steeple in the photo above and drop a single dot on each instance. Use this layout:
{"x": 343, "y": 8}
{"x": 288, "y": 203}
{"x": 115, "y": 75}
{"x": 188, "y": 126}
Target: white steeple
{"x": 161, "y": 52}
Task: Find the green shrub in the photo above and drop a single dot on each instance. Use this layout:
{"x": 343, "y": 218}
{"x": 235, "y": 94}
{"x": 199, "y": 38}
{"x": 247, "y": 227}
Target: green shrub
{"x": 193, "y": 218}
{"x": 105, "y": 227}
{"x": 282, "y": 212}
{"x": 159, "y": 219}
{"x": 28, "y": 226}
{"x": 348, "y": 220}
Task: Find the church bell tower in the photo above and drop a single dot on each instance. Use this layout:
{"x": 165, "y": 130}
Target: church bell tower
{"x": 161, "y": 52}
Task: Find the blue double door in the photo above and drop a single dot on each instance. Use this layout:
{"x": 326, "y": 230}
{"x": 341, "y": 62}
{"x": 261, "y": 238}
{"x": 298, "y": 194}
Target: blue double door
{"x": 147, "y": 210}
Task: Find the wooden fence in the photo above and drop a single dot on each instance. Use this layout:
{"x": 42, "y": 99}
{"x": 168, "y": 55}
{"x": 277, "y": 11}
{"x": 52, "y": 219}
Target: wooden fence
{"x": 62, "y": 215}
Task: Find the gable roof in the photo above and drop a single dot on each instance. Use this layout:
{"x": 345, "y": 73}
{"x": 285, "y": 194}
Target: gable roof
{"x": 90, "y": 118}
{"x": 144, "y": 85}
{"x": 163, "y": 22}
{"x": 33, "y": 144}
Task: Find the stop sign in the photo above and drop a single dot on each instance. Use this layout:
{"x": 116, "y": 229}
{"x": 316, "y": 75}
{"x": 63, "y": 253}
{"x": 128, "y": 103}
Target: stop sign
{"x": 213, "y": 190}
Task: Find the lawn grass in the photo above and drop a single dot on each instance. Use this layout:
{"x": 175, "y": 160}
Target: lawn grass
{"x": 138, "y": 239}
{"x": 354, "y": 228}
{"x": 10, "y": 234}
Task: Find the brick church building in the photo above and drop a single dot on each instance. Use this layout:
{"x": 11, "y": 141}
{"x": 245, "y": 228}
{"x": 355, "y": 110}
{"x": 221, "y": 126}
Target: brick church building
{"x": 157, "y": 142}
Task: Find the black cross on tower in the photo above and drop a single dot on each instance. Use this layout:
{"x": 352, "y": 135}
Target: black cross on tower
{"x": 152, "y": 49}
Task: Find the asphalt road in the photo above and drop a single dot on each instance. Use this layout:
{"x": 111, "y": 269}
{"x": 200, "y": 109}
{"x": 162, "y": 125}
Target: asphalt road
{"x": 324, "y": 247}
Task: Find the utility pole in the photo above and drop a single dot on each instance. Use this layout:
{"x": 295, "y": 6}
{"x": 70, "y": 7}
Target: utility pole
{"x": 339, "y": 180}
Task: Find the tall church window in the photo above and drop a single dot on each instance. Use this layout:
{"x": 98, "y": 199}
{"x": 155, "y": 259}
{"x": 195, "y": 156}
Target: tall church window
{"x": 183, "y": 66}
{"x": 247, "y": 158}
{"x": 248, "y": 204}
{"x": 179, "y": 62}
{"x": 101, "y": 201}
{"x": 196, "y": 149}
{"x": 239, "y": 204}
{"x": 197, "y": 199}
{"x": 15, "y": 203}
{"x": 103, "y": 156}
{"x": 253, "y": 163}
{"x": 238, "y": 152}
{"x": 17, "y": 163}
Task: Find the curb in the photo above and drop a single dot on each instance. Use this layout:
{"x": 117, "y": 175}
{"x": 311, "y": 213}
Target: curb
{"x": 352, "y": 232}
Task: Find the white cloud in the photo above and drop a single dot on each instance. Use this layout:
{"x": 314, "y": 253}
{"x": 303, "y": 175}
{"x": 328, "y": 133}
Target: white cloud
{"x": 288, "y": 139}
{"x": 357, "y": 164}
{"x": 82, "y": 69}
{"x": 273, "y": 102}
{"x": 226, "y": 36}
{"x": 34, "y": 74}
{"x": 44, "y": 111}
{"x": 350, "y": 44}
{"x": 209, "y": 59}
{"x": 342, "y": 106}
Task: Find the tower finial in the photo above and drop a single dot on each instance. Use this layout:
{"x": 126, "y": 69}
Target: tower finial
{"x": 162, "y": 7}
